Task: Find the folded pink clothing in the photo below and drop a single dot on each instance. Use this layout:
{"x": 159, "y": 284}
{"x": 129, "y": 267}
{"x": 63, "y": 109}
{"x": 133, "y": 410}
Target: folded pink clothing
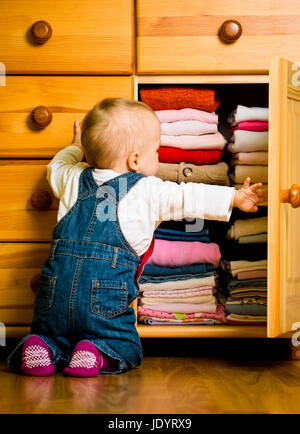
{"x": 180, "y": 253}
{"x": 178, "y": 293}
{"x": 187, "y": 114}
{"x": 251, "y": 126}
{"x": 183, "y": 307}
{"x": 219, "y": 314}
{"x": 249, "y": 158}
{"x": 190, "y": 128}
{"x": 205, "y": 141}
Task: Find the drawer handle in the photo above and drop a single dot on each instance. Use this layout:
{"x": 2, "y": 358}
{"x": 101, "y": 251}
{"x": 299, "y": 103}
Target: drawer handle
{"x": 291, "y": 196}
{"x": 230, "y": 31}
{"x": 41, "y": 200}
{"x": 34, "y": 283}
{"x": 41, "y": 31}
{"x": 41, "y": 116}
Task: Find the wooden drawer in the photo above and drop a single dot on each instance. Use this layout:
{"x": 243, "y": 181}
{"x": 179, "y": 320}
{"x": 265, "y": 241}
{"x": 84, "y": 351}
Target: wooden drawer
{"x": 28, "y": 209}
{"x": 176, "y": 36}
{"x": 65, "y": 98}
{"x": 20, "y": 265}
{"x": 86, "y": 38}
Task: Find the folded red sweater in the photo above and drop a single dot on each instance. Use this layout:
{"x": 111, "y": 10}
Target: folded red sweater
{"x": 172, "y": 97}
{"x": 168, "y": 154}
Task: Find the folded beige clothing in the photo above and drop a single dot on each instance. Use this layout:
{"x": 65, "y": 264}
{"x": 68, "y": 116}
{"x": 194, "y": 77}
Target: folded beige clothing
{"x": 197, "y": 299}
{"x": 255, "y": 274}
{"x": 248, "y": 141}
{"x": 240, "y": 172}
{"x": 185, "y": 172}
{"x": 238, "y": 266}
{"x": 249, "y": 158}
{"x": 250, "y": 239}
{"x": 257, "y": 225}
{"x": 246, "y": 318}
{"x": 179, "y": 284}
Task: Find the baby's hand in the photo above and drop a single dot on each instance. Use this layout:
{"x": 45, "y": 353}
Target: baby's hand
{"x": 77, "y": 135}
{"x": 247, "y": 197}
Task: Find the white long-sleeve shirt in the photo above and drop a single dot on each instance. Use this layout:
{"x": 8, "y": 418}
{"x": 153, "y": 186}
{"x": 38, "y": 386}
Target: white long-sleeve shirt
{"x": 148, "y": 202}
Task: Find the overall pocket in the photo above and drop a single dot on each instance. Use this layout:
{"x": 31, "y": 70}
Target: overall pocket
{"x": 108, "y": 298}
{"x": 45, "y": 293}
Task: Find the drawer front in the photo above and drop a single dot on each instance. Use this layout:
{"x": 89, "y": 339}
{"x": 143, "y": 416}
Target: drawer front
{"x": 63, "y": 99}
{"x": 74, "y": 37}
{"x": 20, "y": 265}
{"x": 28, "y": 209}
{"x": 185, "y": 37}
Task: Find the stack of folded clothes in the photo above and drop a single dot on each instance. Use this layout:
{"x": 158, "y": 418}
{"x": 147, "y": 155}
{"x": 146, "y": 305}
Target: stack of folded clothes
{"x": 244, "y": 262}
{"x": 248, "y": 145}
{"x": 177, "y": 285}
{"x": 191, "y": 145}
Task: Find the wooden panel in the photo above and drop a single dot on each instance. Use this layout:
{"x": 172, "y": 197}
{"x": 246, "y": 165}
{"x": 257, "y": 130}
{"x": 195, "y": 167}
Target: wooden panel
{"x": 19, "y": 263}
{"x": 20, "y": 221}
{"x": 67, "y": 99}
{"x": 87, "y": 38}
{"x": 176, "y": 36}
{"x": 283, "y": 221}
{"x": 189, "y": 331}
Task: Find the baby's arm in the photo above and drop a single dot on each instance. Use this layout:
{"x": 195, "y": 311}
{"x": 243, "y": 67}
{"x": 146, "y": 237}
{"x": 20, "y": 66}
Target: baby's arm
{"x": 171, "y": 201}
{"x": 65, "y": 163}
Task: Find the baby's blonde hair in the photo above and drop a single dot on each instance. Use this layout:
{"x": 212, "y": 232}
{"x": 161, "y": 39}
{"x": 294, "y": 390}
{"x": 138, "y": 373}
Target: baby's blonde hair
{"x": 113, "y": 128}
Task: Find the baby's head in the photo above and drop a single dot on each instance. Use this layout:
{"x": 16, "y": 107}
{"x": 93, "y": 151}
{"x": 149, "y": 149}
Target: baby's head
{"x": 122, "y": 135}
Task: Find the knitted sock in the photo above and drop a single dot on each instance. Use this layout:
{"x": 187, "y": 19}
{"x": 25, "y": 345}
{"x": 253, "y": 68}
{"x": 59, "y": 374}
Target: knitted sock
{"x": 86, "y": 361}
{"x": 36, "y": 358}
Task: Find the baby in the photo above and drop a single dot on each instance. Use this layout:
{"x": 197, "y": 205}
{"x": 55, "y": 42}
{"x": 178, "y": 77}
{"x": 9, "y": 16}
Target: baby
{"x": 109, "y": 208}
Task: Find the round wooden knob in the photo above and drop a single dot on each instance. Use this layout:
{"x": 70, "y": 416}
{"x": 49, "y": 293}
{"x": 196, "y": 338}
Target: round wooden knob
{"x": 34, "y": 283}
{"x": 41, "y": 31}
{"x": 41, "y": 200}
{"x": 291, "y": 196}
{"x": 230, "y": 31}
{"x": 41, "y": 116}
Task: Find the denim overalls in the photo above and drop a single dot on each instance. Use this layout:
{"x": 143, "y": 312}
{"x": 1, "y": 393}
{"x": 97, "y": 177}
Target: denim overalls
{"x": 89, "y": 279}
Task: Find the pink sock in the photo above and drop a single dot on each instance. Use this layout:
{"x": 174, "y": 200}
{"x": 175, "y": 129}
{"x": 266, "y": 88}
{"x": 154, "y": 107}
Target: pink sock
{"x": 36, "y": 358}
{"x": 86, "y": 361}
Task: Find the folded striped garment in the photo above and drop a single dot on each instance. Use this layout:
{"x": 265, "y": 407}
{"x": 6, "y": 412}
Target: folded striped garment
{"x": 198, "y": 299}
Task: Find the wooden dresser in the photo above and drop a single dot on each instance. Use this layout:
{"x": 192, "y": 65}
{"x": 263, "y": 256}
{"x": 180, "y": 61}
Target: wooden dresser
{"x": 60, "y": 59}
{"x": 60, "y": 65}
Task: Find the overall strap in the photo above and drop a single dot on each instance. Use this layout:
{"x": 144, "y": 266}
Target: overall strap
{"x": 121, "y": 184}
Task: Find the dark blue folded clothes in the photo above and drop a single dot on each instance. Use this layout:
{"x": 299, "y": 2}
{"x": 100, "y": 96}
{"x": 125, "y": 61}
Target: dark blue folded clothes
{"x": 233, "y": 251}
{"x": 173, "y": 234}
{"x": 235, "y": 283}
{"x": 146, "y": 278}
{"x": 155, "y": 270}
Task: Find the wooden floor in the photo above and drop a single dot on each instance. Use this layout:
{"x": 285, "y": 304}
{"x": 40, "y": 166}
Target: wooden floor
{"x": 177, "y": 376}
